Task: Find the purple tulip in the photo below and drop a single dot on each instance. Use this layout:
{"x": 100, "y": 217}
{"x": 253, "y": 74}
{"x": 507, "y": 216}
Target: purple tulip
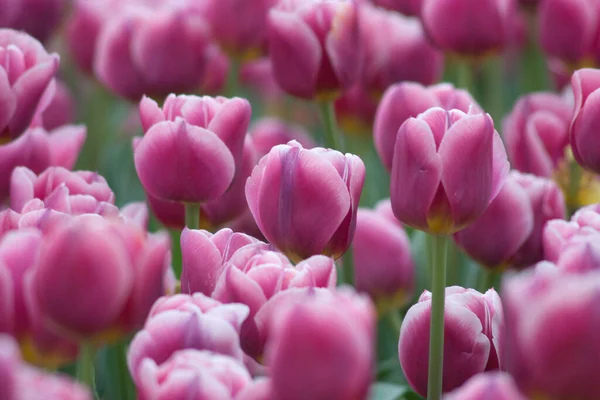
{"x": 447, "y": 167}
{"x": 321, "y": 347}
{"x": 315, "y": 46}
{"x": 477, "y": 27}
{"x": 325, "y": 187}
{"x": 383, "y": 265}
{"x": 473, "y": 324}
{"x": 26, "y": 81}
{"x": 539, "y": 342}
{"x": 407, "y": 99}
{"x": 584, "y": 127}
{"x": 487, "y": 386}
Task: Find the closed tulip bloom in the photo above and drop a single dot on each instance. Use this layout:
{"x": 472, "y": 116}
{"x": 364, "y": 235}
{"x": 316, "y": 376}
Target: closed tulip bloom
{"x": 195, "y": 323}
{"x": 194, "y": 375}
{"x": 448, "y": 166}
{"x": 153, "y": 50}
{"x": 487, "y": 386}
{"x": 383, "y": 265}
{"x": 584, "y": 127}
{"x": 322, "y": 348}
{"x": 315, "y": 194}
{"x": 510, "y": 230}
{"x": 536, "y": 133}
{"x": 204, "y": 256}
{"x": 26, "y": 75}
{"x": 201, "y": 135}
{"x": 407, "y": 99}
{"x": 406, "y": 7}
{"x": 478, "y": 27}
{"x": 568, "y": 29}
{"x": 396, "y": 49}
{"x": 26, "y": 185}
{"x": 472, "y": 329}
{"x": 315, "y": 46}
{"x": 539, "y": 344}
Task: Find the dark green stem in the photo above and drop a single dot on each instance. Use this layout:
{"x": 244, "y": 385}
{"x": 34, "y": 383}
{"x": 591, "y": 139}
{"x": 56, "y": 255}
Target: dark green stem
{"x": 233, "y": 77}
{"x": 192, "y": 215}
{"x": 331, "y": 137}
{"x": 464, "y": 75}
{"x": 494, "y": 88}
{"x": 126, "y": 387}
{"x": 85, "y": 365}
{"x": 486, "y": 280}
{"x": 347, "y": 267}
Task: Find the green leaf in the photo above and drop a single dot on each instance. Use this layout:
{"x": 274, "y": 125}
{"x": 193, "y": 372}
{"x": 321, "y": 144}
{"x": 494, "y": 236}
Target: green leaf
{"x": 387, "y": 391}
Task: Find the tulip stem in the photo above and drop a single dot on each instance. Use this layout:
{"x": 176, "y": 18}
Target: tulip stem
{"x": 486, "y": 279}
{"x": 395, "y": 320}
{"x": 573, "y": 188}
{"x": 233, "y": 77}
{"x": 126, "y": 387}
{"x": 331, "y": 138}
{"x": 436, "y": 335}
{"x": 464, "y": 75}
{"x": 347, "y": 270}
{"x": 192, "y": 215}
{"x": 494, "y": 88}
{"x": 85, "y": 365}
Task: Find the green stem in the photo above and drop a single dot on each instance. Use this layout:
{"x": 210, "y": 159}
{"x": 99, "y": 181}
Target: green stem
{"x": 192, "y": 215}
{"x": 395, "y": 321}
{"x": 331, "y": 137}
{"x": 348, "y": 267}
{"x": 233, "y": 77}
{"x": 464, "y": 75}
{"x": 85, "y": 365}
{"x": 494, "y": 88}
{"x": 126, "y": 387}
{"x": 486, "y": 279}
{"x": 573, "y": 189}
{"x": 534, "y": 68}
{"x": 436, "y": 336}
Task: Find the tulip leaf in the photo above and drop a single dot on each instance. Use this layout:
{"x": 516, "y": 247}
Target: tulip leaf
{"x": 387, "y": 391}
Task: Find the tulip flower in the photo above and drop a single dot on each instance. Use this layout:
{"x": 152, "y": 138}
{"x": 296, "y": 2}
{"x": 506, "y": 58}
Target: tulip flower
{"x": 325, "y": 187}
{"x": 583, "y": 132}
{"x": 537, "y": 303}
{"x": 321, "y": 347}
{"x": 472, "y": 330}
{"x": 580, "y": 254}
{"x": 487, "y": 386}
{"x": 186, "y": 322}
{"x": 510, "y": 230}
{"x": 200, "y": 135}
{"x": 61, "y": 110}
{"x": 260, "y": 389}
{"x": 153, "y": 50}
{"x": 315, "y": 47}
{"x": 39, "y": 18}
{"x": 269, "y": 132}
{"x": 192, "y": 374}
{"x": 383, "y": 266}
{"x": 404, "y": 100}
{"x": 477, "y": 27}
{"x": 448, "y": 166}
{"x": 26, "y": 81}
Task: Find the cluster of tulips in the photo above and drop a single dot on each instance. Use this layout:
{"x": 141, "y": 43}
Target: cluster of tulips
{"x": 204, "y": 235}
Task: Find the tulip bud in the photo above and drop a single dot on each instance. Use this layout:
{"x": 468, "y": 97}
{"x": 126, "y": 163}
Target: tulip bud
{"x": 186, "y": 322}
{"x": 538, "y": 344}
{"x": 583, "y": 133}
{"x": 536, "y": 133}
{"x": 477, "y": 27}
{"x": 315, "y": 194}
{"x": 194, "y": 375}
{"x": 448, "y": 166}
{"x": 26, "y": 81}
{"x": 201, "y": 135}
{"x": 383, "y": 266}
{"x": 315, "y": 46}
{"x": 404, "y": 100}
{"x": 311, "y": 353}
{"x": 472, "y": 329}
{"x": 487, "y": 386}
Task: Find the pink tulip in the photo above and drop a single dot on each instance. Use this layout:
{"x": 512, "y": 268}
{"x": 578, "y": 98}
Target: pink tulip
{"x": 61, "y": 110}
{"x": 448, "y": 166}
{"x": 90, "y": 260}
{"x": 194, "y": 375}
{"x": 315, "y": 46}
{"x": 510, "y": 230}
{"x": 322, "y": 347}
{"x": 204, "y": 256}
{"x": 583, "y": 132}
{"x": 253, "y": 275}
{"x": 26, "y": 185}
{"x": 239, "y": 26}
{"x": 193, "y": 322}
{"x": 487, "y": 386}
{"x": 536, "y": 133}
{"x": 568, "y": 28}
{"x": 325, "y": 186}
{"x": 260, "y": 389}
{"x": 258, "y": 75}
{"x": 152, "y": 49}
{"x": 26, "y": 81}
{"x": 406, "y": 7}
{"x": 269, "y": 132}
{"x": 9, "y": 362}
{"x": 383, "y": 265}
{"x": 540, "y": 340}
{"x": 473, "y": 324}
{"x": 404, "y": 100}
{"x": 580, "y": 254}
{"x": 396, "y": 49}
{"x": 477, "y": 27}
{"x": 39, "y": 18}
